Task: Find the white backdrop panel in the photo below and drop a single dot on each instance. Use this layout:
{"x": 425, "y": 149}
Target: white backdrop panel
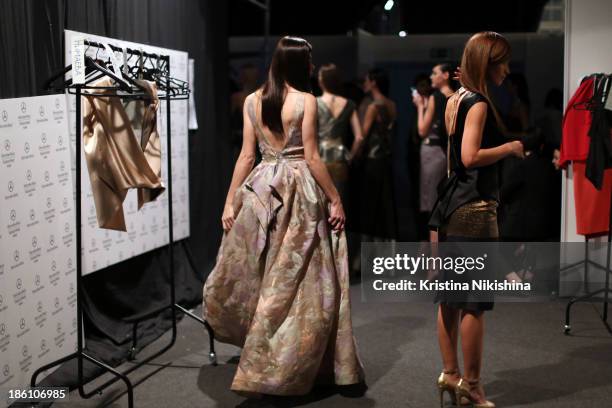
{"x": 37, "y": 239}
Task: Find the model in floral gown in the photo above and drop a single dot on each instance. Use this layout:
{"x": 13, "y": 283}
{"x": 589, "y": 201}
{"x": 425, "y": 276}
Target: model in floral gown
{"x": 280, "y": 287}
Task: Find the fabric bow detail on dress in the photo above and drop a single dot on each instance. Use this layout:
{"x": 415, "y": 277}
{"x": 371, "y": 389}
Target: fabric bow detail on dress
{"x": 271, "y": 193}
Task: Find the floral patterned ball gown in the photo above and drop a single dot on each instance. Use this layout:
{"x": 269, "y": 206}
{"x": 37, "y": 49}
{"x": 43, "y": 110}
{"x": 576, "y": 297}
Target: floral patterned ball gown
{"x": 280, "y": 286}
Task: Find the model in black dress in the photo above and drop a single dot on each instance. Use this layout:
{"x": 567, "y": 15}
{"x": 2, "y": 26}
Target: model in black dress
{"x": 467, "y": 210}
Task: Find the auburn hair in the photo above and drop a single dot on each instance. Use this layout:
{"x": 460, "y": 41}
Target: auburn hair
{"x": 482, "y": 51}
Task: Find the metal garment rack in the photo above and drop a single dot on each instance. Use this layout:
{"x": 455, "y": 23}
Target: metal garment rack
{"x": 80, "y": 353}
{"x": 606, "y": 290}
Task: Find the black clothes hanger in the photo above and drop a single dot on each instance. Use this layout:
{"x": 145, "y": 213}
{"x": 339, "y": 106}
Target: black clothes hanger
{"x": 91, "y": 66}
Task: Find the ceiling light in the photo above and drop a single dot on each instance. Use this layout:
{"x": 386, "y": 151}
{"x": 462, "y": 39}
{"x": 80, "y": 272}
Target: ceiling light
{"x": 389, "y": 5}
{"x": 402, "y": 33}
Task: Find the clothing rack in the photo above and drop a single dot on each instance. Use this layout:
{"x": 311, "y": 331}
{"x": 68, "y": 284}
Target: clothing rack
{"x": 606, "y": 290}
{"x": 80, "y": 354}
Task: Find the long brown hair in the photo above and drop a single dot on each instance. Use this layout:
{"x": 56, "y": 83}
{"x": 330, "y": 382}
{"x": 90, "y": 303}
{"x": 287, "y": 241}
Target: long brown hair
{"x": 290, "y": 64}
{"x": 482, "y": 51}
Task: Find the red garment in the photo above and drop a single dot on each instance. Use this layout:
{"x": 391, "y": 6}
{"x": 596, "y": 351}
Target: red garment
{"x": 592, "y": 205}
{"x": 576, "y": 125}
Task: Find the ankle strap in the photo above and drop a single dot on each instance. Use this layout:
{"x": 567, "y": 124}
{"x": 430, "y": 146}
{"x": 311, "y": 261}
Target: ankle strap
{"x": 449, "y": 372}
{"x": 472, "y": 382}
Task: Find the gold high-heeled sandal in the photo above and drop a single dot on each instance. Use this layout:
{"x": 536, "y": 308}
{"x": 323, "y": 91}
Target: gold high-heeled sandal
{"x": 463, "y": 391}
{"x": 445, "y": 386}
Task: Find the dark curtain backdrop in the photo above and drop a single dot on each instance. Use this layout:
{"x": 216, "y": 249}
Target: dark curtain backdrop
{"x": 32, "y": 48}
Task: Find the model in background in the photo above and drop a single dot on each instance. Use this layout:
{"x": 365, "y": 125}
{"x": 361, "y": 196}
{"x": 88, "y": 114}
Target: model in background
{"x": 377, "y": 209}
{"x": 336, "y": 117}
{"x": 280, "y": 286}
{"x": 469, "y": 211}
{"x": 432, "y": 131}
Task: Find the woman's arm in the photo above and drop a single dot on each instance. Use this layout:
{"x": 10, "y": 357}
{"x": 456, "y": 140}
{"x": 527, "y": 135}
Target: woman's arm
{"x": 368, "y": 121}
{"x": 316, "y": 166}
{"x": 243, "y": 166}
{"x": 356, "y": 127}
{"x": 424, "y": 115}
{"x": 471, "y": 153}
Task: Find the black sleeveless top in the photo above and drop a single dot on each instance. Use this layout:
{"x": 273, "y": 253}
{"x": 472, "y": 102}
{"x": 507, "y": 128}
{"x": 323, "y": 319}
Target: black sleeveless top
{"x": 466, "y": 185}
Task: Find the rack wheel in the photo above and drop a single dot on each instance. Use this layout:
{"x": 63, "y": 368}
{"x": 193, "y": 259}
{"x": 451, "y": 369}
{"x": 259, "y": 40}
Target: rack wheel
{"x": 212, "y": 357}
{"x": 132, "y": 353}
{"x": 566, "y": 329}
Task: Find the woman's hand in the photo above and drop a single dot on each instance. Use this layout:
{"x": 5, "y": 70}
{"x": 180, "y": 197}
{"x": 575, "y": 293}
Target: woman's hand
{"x": 336, "y": 215}
{"x": 418, "y": 100}
{"x": 517, "y": 149}
{"x": 556, "y": 158}
{"x": 227, "y": 219}
{"x": 457, "y": 74}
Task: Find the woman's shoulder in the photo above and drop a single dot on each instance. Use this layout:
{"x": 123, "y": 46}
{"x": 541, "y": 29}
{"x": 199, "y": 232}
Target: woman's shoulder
{"x": 471, "y": 98}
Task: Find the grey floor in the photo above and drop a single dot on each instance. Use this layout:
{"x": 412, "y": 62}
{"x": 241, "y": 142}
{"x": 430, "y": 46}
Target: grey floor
{"x": 528, "y": 362}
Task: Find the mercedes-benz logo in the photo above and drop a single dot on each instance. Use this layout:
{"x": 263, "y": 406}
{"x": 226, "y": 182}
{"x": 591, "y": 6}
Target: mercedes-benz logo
{"x": 13, "y": 215}
{"x": 22, "y": 323}
{"x": 7, "y": 145}
{"x": 4, "y": 116}
{"x": 22, "y": 107}
{"x": 16, "y": 256}
{"x": 26, "y": 147}
{"x": 29, "y": 175}
{"x": 41, "y": 110}
{"x": 18, "y": 284}
{"x": 11, "y": 186}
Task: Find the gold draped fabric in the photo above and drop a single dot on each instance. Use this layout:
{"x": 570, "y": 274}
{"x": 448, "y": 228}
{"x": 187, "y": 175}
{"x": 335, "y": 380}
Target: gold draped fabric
{"x": 280, "y": 286}
{"x": 117, "y": 159}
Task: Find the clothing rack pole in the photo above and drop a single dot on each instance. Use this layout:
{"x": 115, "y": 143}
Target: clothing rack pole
{"x": 80, "y": 353}
{"x": 605, "y": 290}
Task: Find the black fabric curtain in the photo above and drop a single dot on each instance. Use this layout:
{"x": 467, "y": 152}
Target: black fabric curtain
{"x": 32, "y": 48}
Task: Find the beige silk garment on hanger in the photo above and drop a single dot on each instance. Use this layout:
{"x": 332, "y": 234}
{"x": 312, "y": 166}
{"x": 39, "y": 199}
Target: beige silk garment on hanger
{"x": 117, "y": 159}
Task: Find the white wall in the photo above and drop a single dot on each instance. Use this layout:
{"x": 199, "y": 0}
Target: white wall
{"x": 588, "y": 37}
